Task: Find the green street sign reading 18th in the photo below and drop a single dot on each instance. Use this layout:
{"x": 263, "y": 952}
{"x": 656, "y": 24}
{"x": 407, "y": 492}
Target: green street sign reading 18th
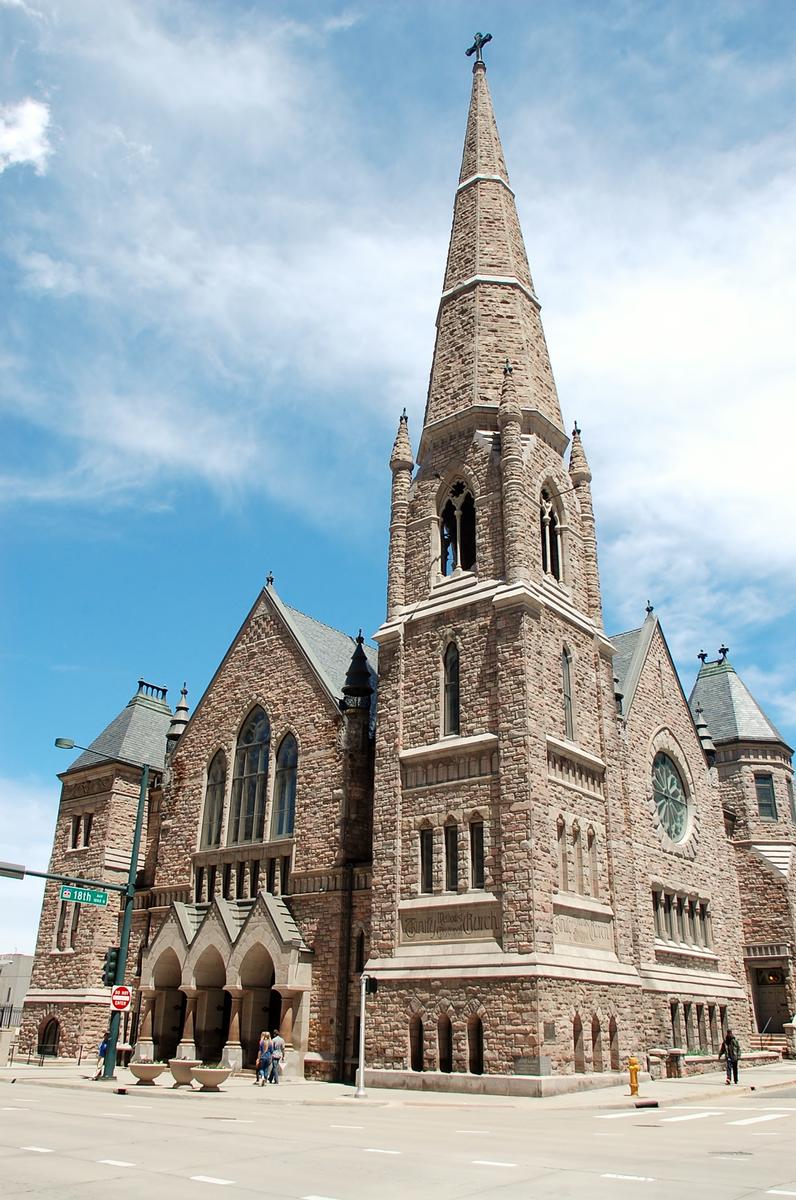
{"x": 82, "y": 895}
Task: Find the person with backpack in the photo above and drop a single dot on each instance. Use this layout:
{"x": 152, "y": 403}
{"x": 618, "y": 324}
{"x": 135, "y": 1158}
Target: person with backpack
{"x": 731, "y": 1051}
{"x": 277, "y": 1055}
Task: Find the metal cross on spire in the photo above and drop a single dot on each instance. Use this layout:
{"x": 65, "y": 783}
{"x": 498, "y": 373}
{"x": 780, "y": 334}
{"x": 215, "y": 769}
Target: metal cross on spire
{"x": 479, "y": 42}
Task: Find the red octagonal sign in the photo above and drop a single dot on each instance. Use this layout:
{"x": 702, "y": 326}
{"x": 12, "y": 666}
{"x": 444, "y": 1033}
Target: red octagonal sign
{"x": 121, "y": 998}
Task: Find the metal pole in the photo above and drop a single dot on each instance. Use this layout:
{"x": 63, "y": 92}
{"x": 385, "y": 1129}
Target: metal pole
{"x": 127, "y": 921}
{"x": 360, "y": 1092}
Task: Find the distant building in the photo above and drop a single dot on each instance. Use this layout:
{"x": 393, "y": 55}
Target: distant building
{"x": 513, "y": 821}
{"x": 15, "y": 972}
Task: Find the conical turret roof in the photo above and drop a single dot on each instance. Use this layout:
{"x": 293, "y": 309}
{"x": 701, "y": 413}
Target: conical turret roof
{"x": 488, "y": 311}
{"x": 730, "y": 709}
{"x": 402, "y": 448}
{"x": 578, "y": 464}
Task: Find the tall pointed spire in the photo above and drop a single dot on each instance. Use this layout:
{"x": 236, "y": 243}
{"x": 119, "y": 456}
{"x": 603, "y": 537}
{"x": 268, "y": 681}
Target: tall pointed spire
{"x": 488, "y": 308}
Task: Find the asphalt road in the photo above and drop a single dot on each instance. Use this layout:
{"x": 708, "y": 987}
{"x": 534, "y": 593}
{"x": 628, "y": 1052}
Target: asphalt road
{"x": 59, "y": 1142}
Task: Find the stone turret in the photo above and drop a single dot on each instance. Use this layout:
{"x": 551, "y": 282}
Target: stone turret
{"x": 580, "y": 474}
{"x": 356, "y": 818}
{"x": 178, "y": 721}
{"x": 401, "y": 465}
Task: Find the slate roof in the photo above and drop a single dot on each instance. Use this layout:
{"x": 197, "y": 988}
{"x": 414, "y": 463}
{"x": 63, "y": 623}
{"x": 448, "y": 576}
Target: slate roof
{"x": 730, "y": 709}
{"x": 625, "y": 650}
{"x": 138, "y": 734}
{"x": 329, "y": 650}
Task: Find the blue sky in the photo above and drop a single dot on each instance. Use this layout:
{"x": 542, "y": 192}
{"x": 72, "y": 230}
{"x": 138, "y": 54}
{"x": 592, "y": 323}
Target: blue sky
{"x": 223, "y": 230}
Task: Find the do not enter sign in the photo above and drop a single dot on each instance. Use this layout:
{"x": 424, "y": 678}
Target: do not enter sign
{"x": 121, "y": 998}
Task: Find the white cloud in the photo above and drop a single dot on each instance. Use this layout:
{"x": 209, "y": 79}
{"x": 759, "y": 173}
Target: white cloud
{"x": 24, "y": 136}
{"x": 27, "y": 9}
{"x": 27, "y": 817}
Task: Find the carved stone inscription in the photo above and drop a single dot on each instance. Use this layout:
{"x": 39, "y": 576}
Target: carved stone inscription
{"x": 459, "y": 924}
{"x": 579, "y": 930}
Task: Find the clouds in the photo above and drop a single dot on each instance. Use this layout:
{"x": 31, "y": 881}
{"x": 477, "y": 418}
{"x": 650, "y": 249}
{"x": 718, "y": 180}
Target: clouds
{"x": 24, "y": 135}
{"x": 27, "y": 816}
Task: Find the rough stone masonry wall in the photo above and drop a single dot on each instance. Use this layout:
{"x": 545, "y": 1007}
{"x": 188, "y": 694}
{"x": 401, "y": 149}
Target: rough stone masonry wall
{"x": 704, "y": 864}
{"x": 262, "y": 667}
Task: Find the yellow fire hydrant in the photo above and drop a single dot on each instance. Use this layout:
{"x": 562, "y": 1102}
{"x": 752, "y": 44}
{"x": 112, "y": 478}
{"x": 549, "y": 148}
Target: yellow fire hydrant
{"x": 632, "y": 1066}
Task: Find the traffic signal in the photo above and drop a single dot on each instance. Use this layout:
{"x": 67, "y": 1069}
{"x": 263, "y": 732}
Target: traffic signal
{"x": 110, "y": 965}
{"x": 371, "y": 986}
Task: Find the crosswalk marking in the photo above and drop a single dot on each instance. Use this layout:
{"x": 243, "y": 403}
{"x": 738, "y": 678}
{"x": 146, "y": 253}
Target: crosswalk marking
{"x": 631, "y": 1178}
{"x": 37, "y": 1149}
{"x": 697, "y": 1116}
{"x": 211, "y": 1179}
{"x": 616, "y": 1116}
{"x": 115, "y": 1162}
{"x": 488, "y": 1162}
{"x": 758, "y": 1120}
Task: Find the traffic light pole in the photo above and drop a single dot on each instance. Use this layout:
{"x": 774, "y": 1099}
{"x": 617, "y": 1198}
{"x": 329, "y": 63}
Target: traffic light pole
{"x": 127, "y": 922}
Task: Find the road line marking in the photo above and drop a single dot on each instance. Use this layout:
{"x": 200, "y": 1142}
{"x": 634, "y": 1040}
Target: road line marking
{"x": 371, "y": 1150}
{"x": 758, "y": 1120}
{"x": 631, "y": 1178}
{"x": 756, "y": 1133}
{"x": 697, "y": 1116}
{"x": 10, "y": 1110}
{"x": 615, "y": 1116}
{"x": 37, "y": 1149}
{"x": 344, "y": 1127}
{"x": 779, "y": 1192}
{"x": 477, "y": 1131}
{"x": 489, "y": 1162}
{"x": 211, "y": 1179}
{"x": 115, "y": 1162}
{"x": 317, "y": 1198}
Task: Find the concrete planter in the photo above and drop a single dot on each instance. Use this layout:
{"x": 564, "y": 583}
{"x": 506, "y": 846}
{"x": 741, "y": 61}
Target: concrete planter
{"x": 146, "y": 1073}
{"x": 182, "y": 1070}
{"x": 210, "y": 1078}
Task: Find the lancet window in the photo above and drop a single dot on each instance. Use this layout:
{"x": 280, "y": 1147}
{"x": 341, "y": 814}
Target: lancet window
{"x": 550, "y": 531}
{"x": 566, "y": 681}
{"x": 214, "y": 800}
{"x": 285, "y": 788}
{"x": 450, "y": 719}
{"x": 249, "y": 783}
{"x": 457, "y": 531}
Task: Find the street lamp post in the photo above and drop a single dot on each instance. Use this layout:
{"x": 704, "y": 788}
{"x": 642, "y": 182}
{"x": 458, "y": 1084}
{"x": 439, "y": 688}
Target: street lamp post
{"x": 129, "y": 892}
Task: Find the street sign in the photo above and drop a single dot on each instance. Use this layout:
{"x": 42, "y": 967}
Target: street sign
{"x": 83, "y": 895}
{"x": 121, "y": 998}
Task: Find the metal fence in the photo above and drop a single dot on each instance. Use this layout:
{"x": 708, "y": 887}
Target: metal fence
{"x": 10, "y": 1017}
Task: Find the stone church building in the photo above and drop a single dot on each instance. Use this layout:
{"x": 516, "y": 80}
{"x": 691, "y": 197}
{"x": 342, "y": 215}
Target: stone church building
{"x": 544, "y": 853}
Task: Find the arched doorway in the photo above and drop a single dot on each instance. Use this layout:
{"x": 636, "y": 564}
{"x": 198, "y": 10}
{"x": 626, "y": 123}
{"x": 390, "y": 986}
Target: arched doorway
{"x": 445, "y": 1044}
{"x": 475, "y": 1045}
{"x": 49, "y": 1037}
{"x": 416, "y": 1043}
{"x": 258, "y": 1002}
{"x": 213, "y": 1006}
{"x": 168, "y": 1016}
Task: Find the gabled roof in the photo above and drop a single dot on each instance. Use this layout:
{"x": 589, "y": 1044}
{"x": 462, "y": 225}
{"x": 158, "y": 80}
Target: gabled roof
{"x": 328, "y": 650}
{"x": 631, "y": 651}
{"x": 138, "y": 734}
{"x": 730, "y": 709}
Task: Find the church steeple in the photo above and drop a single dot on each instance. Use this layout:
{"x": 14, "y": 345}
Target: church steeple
{"x": 488, "y": 310}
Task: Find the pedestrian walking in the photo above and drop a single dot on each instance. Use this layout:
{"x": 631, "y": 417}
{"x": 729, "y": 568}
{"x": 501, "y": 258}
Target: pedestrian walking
{"x": 277, "y": 1056}
{"x": 101, "y": 1052}
{"x": 731, "y": 1051}
{"x": 263, "y": 1059}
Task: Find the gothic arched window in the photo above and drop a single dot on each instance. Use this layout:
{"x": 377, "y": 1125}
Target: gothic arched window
{"x": 285, "y": 788}
{"x": 550, "y": 530}
{"x": 247, "y": 810}
{"x": 214, "y": 800}
{"x": 457, "y": 531}
{"x": 450, "y": 716}
{"x": 566, "y": 680}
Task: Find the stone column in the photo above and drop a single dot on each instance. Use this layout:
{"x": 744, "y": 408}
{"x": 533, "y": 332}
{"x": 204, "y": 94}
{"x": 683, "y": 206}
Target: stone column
{"x": 187, "y": 1046}
{"x": 516, "y": 524}
{"x": 286, "y": 1018}
{"x": 145, "y": 1046}
{"x": 233, "y": 1050}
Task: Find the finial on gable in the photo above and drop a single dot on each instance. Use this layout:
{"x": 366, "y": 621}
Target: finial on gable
{"x": 723, "y": 651}
{"x": 269, "y": 579}
{"x": 507, "y": 367}
{"x": 650, "y": 609}
{"x": 702, "y": 656}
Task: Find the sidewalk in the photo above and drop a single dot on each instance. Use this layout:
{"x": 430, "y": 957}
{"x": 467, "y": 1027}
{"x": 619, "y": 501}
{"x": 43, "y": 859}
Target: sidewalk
{"x": 301, "y": 1091}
